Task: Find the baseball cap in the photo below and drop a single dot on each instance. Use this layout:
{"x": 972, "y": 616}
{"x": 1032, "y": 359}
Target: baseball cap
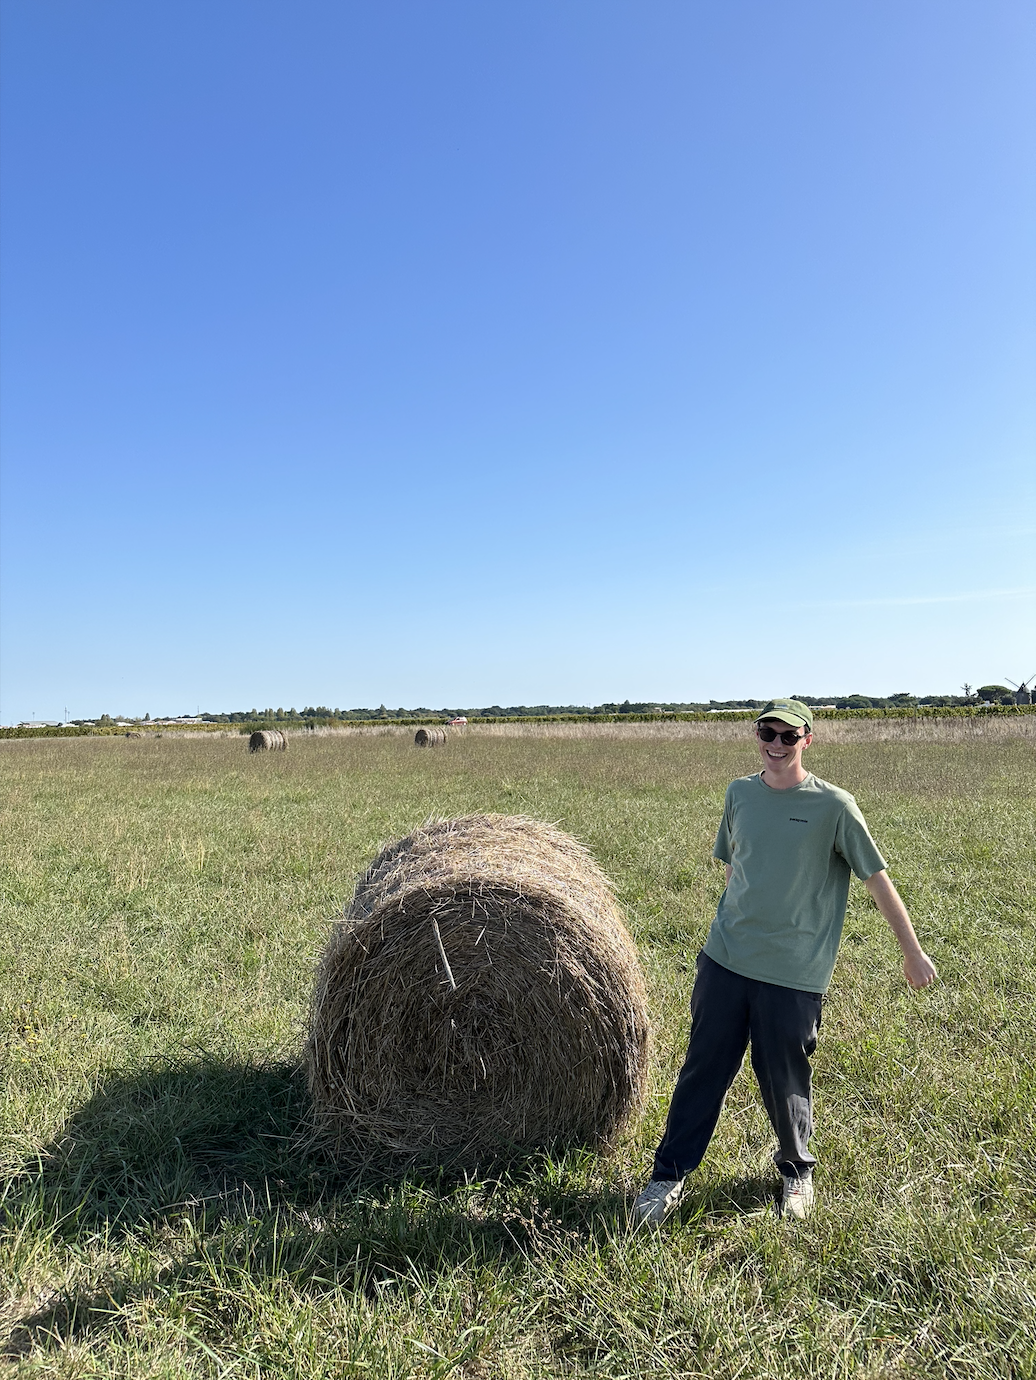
{"x": 792, "y": 712}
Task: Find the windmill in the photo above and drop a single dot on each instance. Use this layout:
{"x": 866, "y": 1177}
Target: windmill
{"x": 1022, "y": 694}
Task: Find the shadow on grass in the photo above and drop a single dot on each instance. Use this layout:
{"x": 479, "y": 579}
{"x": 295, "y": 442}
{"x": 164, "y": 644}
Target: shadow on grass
{"x": 209, "y": 1163}
{"x": 709, "y": 1201}
{"x": 175, "y": 1137}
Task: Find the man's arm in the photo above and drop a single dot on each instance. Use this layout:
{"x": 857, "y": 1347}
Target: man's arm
{"x": 919, "y": 968}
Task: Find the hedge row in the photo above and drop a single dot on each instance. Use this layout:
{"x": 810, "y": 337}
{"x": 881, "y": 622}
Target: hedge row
{"x": 914, "y": 712}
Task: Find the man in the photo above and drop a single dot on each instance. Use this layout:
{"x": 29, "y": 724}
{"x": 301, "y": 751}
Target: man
{"x": 789, "y": 842}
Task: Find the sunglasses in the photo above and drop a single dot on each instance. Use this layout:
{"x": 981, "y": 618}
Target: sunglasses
{"x": 789, "y": 739}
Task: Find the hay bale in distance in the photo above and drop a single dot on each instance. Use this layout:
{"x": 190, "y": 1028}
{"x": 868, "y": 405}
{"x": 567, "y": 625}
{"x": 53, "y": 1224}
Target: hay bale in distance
{"x": 268, "y": 740}
{"x": 481, "y": 993}
{"x": 430, "y": 737}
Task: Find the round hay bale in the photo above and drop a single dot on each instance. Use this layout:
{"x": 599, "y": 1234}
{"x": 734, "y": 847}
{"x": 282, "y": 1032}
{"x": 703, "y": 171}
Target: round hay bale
{"x": 268, "y": 740}
{"x": 430, "y": 737}
{"x": 481, "y": 994}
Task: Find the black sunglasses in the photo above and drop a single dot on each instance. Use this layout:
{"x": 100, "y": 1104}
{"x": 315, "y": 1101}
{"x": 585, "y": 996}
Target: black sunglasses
{"x": 789, "y": 739}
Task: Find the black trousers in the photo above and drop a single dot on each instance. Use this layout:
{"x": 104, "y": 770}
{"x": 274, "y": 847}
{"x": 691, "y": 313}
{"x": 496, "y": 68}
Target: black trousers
{"x": 728, "y": 1011}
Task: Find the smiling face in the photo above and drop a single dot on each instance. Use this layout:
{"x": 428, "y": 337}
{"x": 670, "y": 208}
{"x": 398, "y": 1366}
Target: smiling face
{"x": 779, "y": 758}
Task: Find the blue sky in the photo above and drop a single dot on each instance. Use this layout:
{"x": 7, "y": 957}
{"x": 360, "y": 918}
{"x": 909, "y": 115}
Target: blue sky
{"x": 463, "y": 353}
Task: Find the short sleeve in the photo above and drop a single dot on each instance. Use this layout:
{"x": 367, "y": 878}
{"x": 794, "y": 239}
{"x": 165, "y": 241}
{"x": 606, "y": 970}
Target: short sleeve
{"x": 723, "y": 848}
{"x": 853, "y": 841}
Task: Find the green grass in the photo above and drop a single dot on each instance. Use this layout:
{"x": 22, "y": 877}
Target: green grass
{"x": 162, "y": 906}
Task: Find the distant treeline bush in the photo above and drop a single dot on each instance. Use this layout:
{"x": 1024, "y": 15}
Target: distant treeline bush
{"x": 324, "y": 714}
{"x": 917, "y": 709}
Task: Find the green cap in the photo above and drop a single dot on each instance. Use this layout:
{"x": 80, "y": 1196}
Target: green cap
{"x": 792, "y": 712}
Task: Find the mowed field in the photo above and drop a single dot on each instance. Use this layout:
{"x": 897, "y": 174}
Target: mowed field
{"x": 163, "y": 1214}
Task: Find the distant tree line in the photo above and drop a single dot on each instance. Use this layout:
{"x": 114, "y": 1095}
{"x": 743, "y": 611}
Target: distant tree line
{"x": 986, "y": 700}
{"x": 324, "y": 714}
{"x": 320, "y": 714}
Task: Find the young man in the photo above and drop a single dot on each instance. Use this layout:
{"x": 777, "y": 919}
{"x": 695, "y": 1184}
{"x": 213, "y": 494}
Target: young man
{"x": 789, "y": 842}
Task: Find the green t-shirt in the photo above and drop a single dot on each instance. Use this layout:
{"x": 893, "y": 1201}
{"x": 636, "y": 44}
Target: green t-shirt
{"x": 780, "y": 918}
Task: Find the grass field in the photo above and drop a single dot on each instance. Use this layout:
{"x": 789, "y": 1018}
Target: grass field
{"x": 162, "y": 906}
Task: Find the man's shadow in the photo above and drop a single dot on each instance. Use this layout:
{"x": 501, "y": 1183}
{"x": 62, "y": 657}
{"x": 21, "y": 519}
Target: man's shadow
{"x": 218, "y": 1158}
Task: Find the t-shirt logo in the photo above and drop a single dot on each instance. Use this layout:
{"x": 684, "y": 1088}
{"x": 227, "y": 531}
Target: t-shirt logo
{"x": 793, "y": 820}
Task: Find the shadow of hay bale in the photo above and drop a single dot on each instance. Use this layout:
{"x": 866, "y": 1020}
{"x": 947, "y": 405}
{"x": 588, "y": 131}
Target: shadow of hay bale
{"x": 208, "y": 1138}
{"x": 176, "y": 1135}
{"x": 219, "y": 1153}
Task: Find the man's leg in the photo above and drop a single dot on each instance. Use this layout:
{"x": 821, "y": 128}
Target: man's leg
{"x": 719, "y": 1037}
{"x": 784, "y": 1025}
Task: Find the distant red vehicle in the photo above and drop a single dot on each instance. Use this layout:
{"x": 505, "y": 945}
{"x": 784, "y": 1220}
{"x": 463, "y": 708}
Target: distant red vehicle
{"x": 455, "y": 723}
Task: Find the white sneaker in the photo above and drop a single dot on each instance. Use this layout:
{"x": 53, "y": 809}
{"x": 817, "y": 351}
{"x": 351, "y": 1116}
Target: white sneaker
{"x": 657, "y": 1201}
{"x": 796, "y": 1196}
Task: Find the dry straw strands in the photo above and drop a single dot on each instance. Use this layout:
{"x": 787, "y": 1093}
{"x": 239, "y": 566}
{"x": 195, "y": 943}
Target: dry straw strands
{"x": 481, "y": 994}
{"x": 430, "y": 737}
{"x": 268, "y": 740}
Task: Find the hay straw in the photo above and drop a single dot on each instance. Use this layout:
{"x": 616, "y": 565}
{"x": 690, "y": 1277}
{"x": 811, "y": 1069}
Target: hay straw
{"x": 430, "y": 737}
{"x": 267, "y": 740}
{"x": 481, "y": 994}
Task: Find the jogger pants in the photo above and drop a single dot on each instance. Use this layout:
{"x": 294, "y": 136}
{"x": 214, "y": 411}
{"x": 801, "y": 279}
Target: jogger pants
{"x": 727, "y": 1012}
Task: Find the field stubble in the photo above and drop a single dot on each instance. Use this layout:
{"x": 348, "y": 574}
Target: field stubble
{"x": 163, "y": 904}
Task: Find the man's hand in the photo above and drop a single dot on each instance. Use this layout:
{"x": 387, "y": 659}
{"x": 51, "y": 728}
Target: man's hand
{"x": 919, "y": 968}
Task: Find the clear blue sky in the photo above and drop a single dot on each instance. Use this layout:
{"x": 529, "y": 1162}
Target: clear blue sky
{"x": 465, "y": 352}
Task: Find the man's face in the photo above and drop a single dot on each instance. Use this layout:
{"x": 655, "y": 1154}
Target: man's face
{"x": 779, "y": 755}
